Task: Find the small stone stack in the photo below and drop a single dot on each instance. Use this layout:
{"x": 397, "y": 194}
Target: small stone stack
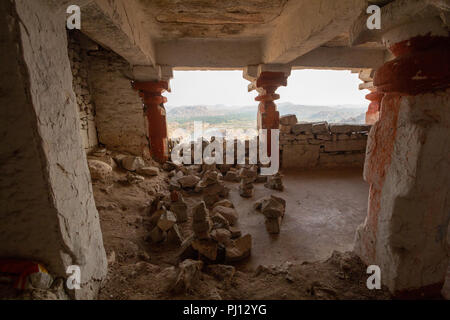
{"x": 248, "y": 176}
{"x": 164, "y": 223}
{"x": 275, "y": 182}
{"x": 273, "y": 208}
{"x": 214, "y": 238}
{"x": 213, "y": 189}
{"x": 201, "y": 223}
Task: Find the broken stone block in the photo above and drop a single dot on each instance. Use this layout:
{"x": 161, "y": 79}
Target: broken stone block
{"x": 272, "y": 209}
{"x": 206, "y": 247}
{"x": 221, "y": 235}
{"x": 99, "y": 170}
{"x": 214, "y": 193}
{"x": 189, "y": 181}
{"x": 189, "y": 273}
{"x": 132, "y": 163}
{"x": 210, "y": 178}
{"x": 167, "y": 221}
{"x": 274, "y": 182}
{"x": 174, "y": 235}
{"x": 200, "y": 212}
{"x": 228, "y": 213}
{"x": 157, "y": 235}
{"x": 148, "y": 171}
{"x": 134, "y": 178}
{"x": 219, "y": 221}
{"x": 288, "y": 120}
{"x": 239, "y": 249}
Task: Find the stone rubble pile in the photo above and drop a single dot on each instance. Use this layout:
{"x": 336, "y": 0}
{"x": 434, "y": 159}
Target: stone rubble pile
{"x": 248, "y": 177}
{"x": 319, "y": 144}
{"x": 273, "y": 208}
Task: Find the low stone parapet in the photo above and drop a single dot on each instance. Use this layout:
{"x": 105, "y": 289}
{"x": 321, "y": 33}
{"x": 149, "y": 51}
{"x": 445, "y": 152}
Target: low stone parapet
{"x": 319, "y": 144}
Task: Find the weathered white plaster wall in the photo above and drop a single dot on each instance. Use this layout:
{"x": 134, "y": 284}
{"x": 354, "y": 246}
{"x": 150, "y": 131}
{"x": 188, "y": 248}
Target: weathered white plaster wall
{"x": 121, "y": 124}
{"x": 48, "y": 212}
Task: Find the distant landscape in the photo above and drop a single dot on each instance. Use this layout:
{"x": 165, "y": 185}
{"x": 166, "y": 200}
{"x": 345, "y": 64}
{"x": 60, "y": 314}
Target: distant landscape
{"x": 244, "y": 117}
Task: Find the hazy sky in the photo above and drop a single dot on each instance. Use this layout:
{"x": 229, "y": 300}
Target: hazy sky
{"x": 307, "y": 87}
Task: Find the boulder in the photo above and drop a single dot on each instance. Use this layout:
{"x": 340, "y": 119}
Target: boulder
{"x": 99, "y": 170}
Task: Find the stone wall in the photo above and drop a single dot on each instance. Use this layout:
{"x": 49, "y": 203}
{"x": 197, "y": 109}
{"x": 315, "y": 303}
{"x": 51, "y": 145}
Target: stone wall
{"x": 48, "y": 211}
{"x": 79, "y": 62}
{"x": 309, "y": 145}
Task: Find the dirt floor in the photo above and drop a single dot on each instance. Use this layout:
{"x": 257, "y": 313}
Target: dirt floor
{"x": 139, "y": 269}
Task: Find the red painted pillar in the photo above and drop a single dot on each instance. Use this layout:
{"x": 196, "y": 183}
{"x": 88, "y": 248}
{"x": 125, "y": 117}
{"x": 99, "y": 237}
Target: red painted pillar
{"x": 268, "y": 116}
{"x": 405, "y": 229}
{"x": 151, "y": 94}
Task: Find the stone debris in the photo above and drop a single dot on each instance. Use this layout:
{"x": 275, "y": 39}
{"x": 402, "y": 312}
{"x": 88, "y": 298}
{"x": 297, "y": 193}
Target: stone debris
{"x": 275, "y": 182}
{"x": 167, "y": 221}
{"x": 207, "y": 248}
{"x": 214, "y": 193}
{"x": 273, "y": 208}
{"x": 100, "y": 170}
{"x": 219, "y": 221}
{"x": 221, "y": 235}
{"x": 174, "y": 235}
{"x": 224, "y": 203}
{"x": 189, "y": 273}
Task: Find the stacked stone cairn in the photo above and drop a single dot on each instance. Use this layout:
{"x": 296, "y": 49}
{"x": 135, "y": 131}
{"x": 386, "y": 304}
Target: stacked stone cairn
{"x": 164, "y": 223}
{"x": 273, "y": 208}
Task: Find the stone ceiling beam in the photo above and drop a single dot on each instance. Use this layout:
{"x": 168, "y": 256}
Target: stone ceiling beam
{"x": 208, "y": 53}
{"x": 118, "y": 25}
{"x": 341, "y": 58}
{"x": 306, "y": 25}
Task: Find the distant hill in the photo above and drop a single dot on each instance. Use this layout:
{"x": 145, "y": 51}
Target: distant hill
{"x": 222, "y": 114}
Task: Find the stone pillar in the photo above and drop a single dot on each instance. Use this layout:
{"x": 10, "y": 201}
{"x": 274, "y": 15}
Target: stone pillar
{"x": 48, "y": 212}
{"x": 266, "y": 79}
{"x": 151, "y": 94}
{"x": 408, "y": 166}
